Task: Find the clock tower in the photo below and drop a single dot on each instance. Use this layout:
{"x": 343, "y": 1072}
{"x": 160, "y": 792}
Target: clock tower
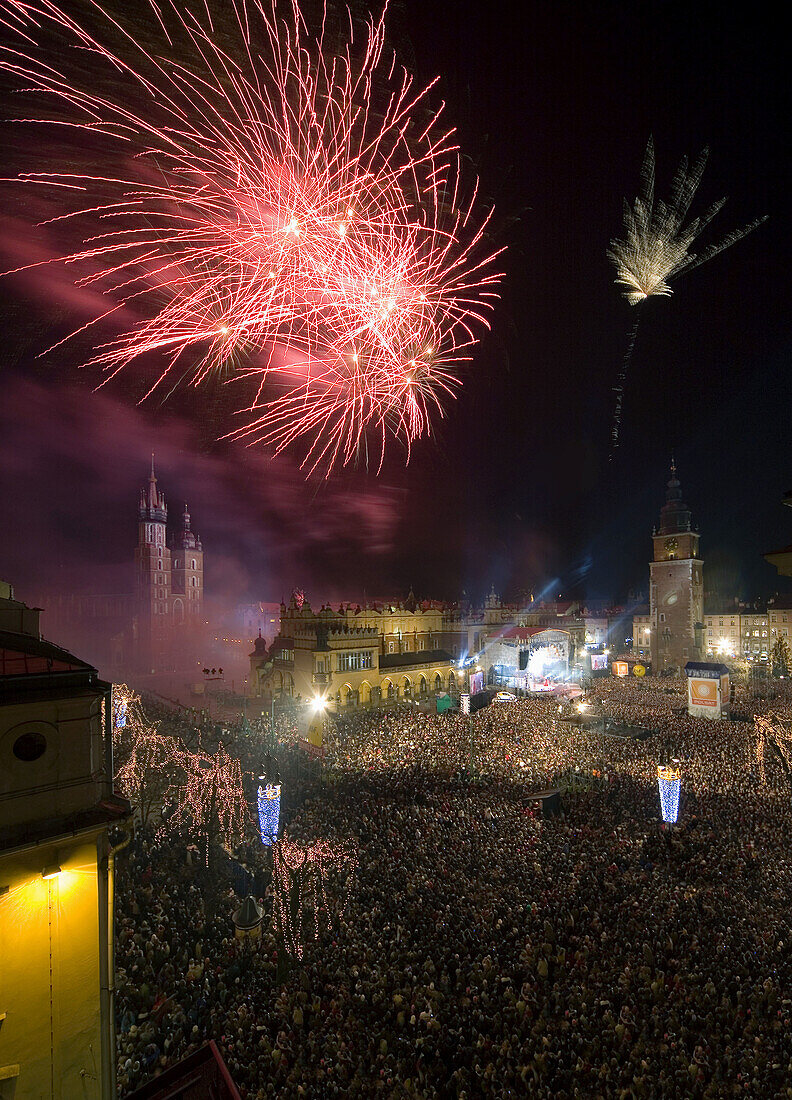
{"x": 676, "y": 585}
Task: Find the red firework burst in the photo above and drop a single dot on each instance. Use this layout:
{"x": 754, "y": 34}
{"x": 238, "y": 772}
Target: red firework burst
{"x": 272, "y": 213}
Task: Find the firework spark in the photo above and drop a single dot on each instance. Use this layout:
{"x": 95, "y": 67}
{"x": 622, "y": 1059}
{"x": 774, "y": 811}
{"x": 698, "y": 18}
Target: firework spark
{"x": 657, "y": 244}
{"x": 271, "y": 214}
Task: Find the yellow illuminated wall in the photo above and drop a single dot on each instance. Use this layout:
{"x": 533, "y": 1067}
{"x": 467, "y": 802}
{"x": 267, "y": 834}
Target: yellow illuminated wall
{"x": 49, "y": 974}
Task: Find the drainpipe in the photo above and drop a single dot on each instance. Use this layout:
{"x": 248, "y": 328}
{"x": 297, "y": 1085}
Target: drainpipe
{"x": 105, "y": 858}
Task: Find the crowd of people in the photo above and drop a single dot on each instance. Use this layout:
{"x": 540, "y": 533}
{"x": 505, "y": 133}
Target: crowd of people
{"x": 479, "y": 950}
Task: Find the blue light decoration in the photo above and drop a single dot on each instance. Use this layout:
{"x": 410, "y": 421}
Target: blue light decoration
{"x": 119, "y": 711}
{"x": 668, "y": 781}
{"x": 269, "y": 812}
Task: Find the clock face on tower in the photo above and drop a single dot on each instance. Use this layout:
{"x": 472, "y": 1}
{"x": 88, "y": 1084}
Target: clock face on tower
{"x": 671, "y": 544}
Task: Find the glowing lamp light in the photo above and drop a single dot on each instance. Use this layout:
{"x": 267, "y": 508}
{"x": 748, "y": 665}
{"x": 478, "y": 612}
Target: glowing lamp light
{"x": 51, "y": 871}
{"x": 668, "y": 780}
{"x": 269, "y": 812}
{"x": 318, "y": 703}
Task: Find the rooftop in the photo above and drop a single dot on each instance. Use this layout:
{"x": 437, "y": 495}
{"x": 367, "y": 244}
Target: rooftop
{"x": 27, "y": 655}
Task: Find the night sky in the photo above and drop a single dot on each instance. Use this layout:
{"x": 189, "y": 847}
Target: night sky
{"x": 554, "y": 103}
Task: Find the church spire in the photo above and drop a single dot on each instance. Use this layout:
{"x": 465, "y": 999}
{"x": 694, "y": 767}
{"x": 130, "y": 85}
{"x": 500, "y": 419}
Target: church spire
{"x": 186, "y": 539}
{"x": 675, "y": 515}
{"x": 152, "y": 502}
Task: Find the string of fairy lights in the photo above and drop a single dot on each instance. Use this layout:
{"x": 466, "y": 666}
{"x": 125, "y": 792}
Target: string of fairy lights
{"x": 302, "y": 879}
{"x": 773, "y": 730}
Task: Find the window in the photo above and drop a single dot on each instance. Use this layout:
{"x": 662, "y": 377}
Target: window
{"x": 193, "y": 582}
{"x": 30, "y": 746}
{"x": 192, "y": 563}
{"x": 352, "y": 662}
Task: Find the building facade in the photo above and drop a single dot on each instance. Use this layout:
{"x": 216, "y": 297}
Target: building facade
{"x": 57, "y": 805}
{"x": 676, "y": 585}
{"x": 749, "y": 634}
{"x": 365, "y": 655}
{"x": 642, "y": 633}
{"x": 352, "y": 657}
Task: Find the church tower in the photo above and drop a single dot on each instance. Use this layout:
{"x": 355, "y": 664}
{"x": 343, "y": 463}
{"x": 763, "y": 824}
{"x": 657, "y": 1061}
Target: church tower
{"x": 187, "y": 555}
{"x": 676, "y": 585}
{"x": 153, "y": 577}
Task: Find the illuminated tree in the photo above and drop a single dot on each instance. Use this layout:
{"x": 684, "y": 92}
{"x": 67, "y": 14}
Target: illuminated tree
{"x": 780, "y": 657}
{"x": 149, "y": 770}
{"x": 302, "y": 905}
{"x": 212, "y": 802}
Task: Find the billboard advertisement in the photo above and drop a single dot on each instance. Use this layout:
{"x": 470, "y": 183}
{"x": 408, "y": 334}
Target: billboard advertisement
{"x": 708, "y": 690}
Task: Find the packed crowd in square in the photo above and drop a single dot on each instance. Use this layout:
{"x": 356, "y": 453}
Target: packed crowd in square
{"x": 480, "y": 950}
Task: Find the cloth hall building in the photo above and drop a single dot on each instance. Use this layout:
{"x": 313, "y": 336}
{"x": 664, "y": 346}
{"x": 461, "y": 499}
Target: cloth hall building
{"x": 362, "y": 656}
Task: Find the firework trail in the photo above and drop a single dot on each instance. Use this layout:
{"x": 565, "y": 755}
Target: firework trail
{"x": 657, "y": 244}
{"x": 269, "y": 215}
